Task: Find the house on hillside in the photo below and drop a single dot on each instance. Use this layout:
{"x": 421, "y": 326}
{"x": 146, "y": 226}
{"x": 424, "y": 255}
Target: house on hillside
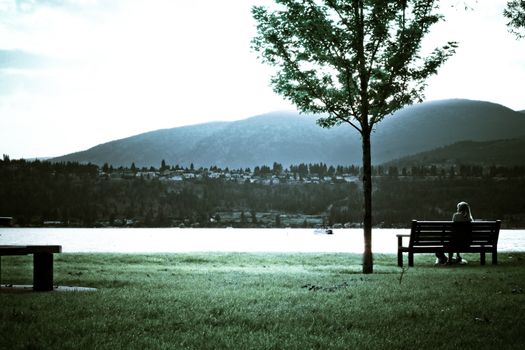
{"x": 146, "y": 174}
{"x": 327, "y": 179}
{"x": 214, "y": 175}
{"x": 350, "y": 178}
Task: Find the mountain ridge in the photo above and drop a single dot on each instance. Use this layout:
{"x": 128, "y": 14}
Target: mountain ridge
{"x": 290, "y": 138}
{"x": 509, "y": 152}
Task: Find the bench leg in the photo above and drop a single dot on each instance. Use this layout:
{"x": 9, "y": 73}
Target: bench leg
{"x": 482, "y": 258}
{"x": 410, "y": 259}
{"x": 43, "y": 271}
{"x": 399, "y": 258}
{"x": 494, "y": 258}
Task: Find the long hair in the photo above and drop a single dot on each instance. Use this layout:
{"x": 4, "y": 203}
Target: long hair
{"x": 464, "y": 209}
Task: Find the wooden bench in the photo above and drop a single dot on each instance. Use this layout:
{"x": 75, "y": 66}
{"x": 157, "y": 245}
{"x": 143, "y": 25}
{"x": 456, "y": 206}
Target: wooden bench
{"x": 450, "y": 237}
{"x": 42, "y": 262}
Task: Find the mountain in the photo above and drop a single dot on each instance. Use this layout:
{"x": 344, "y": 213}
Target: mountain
{"x": 290, "y": 138}
{"x": 284, "y": 137}
{"x": 487, "y": 153}
{"x": 427, "y": 126}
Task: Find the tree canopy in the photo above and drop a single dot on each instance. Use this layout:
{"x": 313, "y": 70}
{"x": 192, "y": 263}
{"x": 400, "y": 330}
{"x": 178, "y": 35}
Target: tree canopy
{"x": 344, "y": 58}
{"x": 515, "y": 13}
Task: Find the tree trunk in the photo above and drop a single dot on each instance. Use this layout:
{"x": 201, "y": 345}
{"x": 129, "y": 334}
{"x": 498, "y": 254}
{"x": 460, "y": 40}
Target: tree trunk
{"x": 368, "y": 263}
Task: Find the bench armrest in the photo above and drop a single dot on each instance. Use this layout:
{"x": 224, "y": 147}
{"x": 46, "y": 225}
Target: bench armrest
{"x": 400, "y": 239}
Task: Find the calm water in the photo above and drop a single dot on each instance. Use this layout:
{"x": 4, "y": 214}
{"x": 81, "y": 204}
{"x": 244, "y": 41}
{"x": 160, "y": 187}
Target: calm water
{"x": 173, "y": 240}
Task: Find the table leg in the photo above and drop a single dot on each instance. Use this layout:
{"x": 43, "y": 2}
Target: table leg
{"x": 43, "y": 272}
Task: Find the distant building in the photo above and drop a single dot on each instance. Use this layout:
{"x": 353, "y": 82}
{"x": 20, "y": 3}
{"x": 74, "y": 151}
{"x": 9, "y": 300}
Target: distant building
{"x": 146, "y": 174}
{"x": 53, "y": 223}
{"x": 351, "y": 178}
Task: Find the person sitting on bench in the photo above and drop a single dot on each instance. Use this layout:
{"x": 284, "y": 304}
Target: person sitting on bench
{"x": 463, "y": 214}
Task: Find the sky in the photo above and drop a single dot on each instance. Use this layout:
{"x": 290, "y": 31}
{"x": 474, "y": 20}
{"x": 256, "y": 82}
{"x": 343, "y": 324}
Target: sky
{"x": 77, "y": 73}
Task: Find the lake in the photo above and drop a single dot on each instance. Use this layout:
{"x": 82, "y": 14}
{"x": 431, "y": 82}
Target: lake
{"x": 177, "y": 240}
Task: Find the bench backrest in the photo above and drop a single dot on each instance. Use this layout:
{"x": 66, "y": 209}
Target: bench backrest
{"x": 455, "y": 234}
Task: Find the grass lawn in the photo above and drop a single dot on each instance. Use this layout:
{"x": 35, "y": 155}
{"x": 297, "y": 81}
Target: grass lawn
{"x": 265, "y": 301}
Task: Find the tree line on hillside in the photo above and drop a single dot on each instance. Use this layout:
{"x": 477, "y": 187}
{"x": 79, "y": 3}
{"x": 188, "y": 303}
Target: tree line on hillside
{"x": 73, "y": 194}
{"x": 322, "y": 169}
{"x": 78, "y": 195}
{"x": 303, "y": 169}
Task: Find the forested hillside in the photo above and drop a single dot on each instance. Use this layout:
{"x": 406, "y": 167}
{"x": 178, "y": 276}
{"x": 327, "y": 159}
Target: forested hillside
{"x": 70, "y": 194}
{"x": 509, "y": 152}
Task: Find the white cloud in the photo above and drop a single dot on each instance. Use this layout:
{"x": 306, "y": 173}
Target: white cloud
{"x": 148, "y": 65}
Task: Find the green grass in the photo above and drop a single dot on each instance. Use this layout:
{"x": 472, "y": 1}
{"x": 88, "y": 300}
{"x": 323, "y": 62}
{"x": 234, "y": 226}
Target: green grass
{"x": 265, "y": 301}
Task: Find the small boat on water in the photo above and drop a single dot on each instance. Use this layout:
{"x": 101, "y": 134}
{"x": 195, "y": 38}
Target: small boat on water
{"x": 323, "y": 231}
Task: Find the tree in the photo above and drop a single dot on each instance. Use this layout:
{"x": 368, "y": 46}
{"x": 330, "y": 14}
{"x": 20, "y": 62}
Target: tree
{"x": 515, "y": 13}
{"x": 163, "y": 165}
{"x": 353, "y": 61}
{"x": 254, "y": 217}
{"x": 277, "y": 168}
